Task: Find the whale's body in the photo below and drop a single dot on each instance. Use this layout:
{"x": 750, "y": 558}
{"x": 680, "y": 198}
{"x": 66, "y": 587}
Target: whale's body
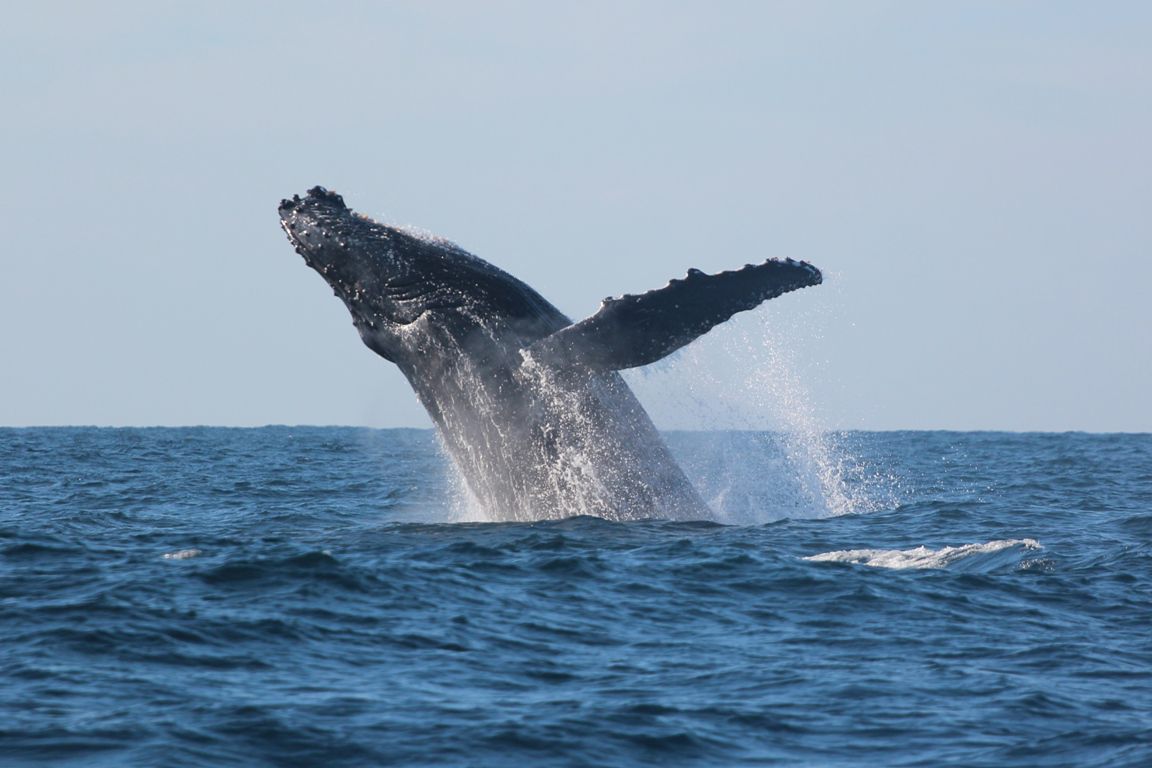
{"x": 529, "y": 405}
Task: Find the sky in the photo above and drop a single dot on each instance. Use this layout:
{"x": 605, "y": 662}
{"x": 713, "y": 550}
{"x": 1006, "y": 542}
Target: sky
{"x": 974, "y": 179}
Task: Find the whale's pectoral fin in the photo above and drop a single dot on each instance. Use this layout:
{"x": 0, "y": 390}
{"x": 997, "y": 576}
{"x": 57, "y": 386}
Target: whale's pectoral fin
{"x": 637, "y": 330}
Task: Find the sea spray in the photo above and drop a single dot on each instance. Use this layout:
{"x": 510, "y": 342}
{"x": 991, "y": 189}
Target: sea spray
{"x": 772, "y": 456}
{"x": 764, "y": 455}
{"x": 767, "y": 454}
{"x": 773, "y": 385}
{"x": 463, "y": 506}
{"x": 595, "y": 455}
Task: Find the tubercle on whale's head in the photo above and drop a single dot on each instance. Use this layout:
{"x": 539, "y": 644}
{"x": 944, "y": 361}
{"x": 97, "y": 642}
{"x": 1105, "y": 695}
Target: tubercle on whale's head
{"x": 389, "y": 277}
{"x": 360, "y": 259}
{"x": 322, "y": 229}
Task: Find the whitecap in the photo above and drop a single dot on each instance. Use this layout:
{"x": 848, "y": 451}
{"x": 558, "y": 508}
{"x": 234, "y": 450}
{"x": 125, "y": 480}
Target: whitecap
{"x": 989, "y": 554}
{"x": 182, "y": 554}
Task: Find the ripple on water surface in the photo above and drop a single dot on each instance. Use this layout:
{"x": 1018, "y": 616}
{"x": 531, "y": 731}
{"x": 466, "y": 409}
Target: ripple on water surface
{"x": 287, "y": 597}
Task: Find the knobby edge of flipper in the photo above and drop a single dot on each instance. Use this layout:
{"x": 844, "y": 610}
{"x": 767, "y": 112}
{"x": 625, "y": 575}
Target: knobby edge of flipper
{"x": 636, "y": 330}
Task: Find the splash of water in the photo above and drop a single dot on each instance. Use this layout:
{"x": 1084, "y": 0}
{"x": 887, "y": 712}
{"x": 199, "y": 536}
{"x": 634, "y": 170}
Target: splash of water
{"x": 766, "y": 454}
{"x": 463, "y": 505}
{"x": 574, "y": 467}
{"x": 774, "y": 458}
{"x": 818, "y": 464}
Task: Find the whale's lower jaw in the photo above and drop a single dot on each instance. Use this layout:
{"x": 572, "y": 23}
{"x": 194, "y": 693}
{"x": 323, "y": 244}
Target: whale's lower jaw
{"x": 530, "y": 406}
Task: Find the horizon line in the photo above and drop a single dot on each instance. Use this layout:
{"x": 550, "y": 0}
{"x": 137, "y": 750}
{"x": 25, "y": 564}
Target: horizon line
{"x": 830, "y": 430}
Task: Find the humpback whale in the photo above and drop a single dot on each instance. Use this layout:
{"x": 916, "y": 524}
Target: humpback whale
{"x": 529, "y": 405}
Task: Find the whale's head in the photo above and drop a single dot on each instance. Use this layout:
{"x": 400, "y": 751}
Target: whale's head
{"x": 390, "y": 277}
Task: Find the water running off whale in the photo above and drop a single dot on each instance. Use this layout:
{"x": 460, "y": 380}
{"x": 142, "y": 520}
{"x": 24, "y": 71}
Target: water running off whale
{"x": 529, "y": 405}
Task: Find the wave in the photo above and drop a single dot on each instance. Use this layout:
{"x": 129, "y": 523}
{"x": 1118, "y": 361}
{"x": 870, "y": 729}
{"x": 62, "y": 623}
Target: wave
{"x": 989, "y": 555}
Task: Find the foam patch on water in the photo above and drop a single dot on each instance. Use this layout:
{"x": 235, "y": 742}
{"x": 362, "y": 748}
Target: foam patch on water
{"x": 991, "y": 554}
{"x": 182, "y": 554}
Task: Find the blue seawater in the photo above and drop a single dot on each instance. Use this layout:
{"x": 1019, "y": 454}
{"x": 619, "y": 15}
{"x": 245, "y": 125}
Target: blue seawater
{"x": 295, "y": 597}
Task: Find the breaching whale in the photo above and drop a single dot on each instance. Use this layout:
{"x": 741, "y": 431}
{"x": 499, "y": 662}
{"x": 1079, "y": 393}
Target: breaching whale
{"x": 528, "y": 404}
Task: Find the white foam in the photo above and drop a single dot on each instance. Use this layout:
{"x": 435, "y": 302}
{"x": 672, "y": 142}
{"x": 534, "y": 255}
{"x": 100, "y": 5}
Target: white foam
{"x": 923, "y": 557}
{"x": 182, "y": 554}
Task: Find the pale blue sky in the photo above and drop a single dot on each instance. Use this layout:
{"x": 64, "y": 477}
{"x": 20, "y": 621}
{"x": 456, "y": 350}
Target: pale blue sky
{"x": 975, "y": 179}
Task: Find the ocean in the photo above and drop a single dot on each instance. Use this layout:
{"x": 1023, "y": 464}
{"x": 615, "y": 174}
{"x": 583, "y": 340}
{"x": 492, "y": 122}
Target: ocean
{"x": 307, "y": 596}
